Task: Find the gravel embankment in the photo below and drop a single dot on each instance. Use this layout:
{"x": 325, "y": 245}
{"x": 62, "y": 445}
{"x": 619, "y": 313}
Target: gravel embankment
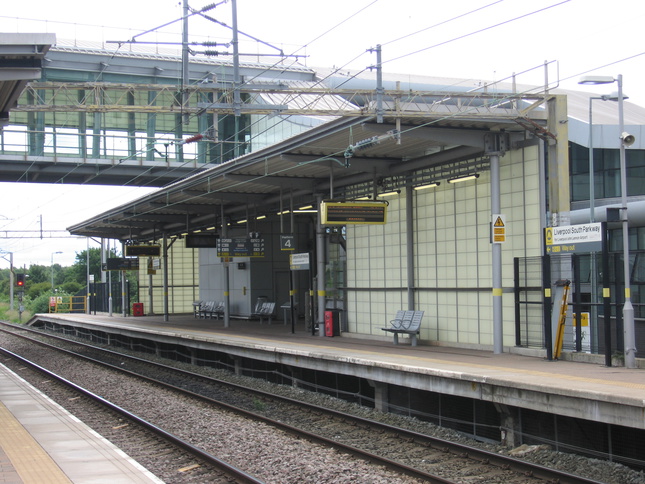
{"x": 271, "y": 455}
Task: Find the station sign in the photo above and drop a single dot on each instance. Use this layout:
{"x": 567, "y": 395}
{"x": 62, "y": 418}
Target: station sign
{"x": 287, "y": 242}
{"x": 240, "y": 247}
{"x": 573, "y": 238}
{"x": 299, "y": 262}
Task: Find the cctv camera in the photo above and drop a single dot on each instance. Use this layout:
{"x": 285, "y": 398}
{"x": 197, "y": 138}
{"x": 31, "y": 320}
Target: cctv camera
{"x": 627, "y": 139}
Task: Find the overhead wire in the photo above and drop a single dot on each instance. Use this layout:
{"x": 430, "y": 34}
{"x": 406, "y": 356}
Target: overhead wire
{"x": 250, "y": 79}
{"x": 443, "y": 43}
{"x": 247, "y": 81}
{"x": 353, "y": 15}
{"x": 438, "y": 24}
{"x": 315, "y": 39}
{"x": 603, "y": 66}
{"x": 474, "y": 32}
{"x": 320, "y": 36}
{"x": 443, "y": 22}
{"x": 495, "y": 101}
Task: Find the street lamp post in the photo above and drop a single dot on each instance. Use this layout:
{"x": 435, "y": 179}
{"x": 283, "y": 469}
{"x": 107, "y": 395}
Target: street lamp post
{"x": 625, "y": 140}
{"x": 52, "y": 267}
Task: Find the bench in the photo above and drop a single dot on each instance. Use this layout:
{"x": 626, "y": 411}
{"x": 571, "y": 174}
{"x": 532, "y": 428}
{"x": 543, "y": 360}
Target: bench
{"x": 196, "y": 307}
{"x": 406, "y": 322}
{"x": 206, "y": 309}
{"x": 265, "y": 311}
{"x": 217, "y": 310}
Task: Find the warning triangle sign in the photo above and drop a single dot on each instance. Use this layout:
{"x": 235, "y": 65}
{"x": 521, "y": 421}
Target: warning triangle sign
{"x": 499, "y": 222}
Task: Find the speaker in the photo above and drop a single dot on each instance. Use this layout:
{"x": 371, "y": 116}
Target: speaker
{"x": 627, "y": 139}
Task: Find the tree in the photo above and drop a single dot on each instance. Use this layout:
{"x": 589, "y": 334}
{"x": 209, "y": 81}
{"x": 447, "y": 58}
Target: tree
{"x": 38, "y": 273}
{"x": 4, "y": 283}
{"x": 38, "y": 289}
{"x": 78, "y": 272}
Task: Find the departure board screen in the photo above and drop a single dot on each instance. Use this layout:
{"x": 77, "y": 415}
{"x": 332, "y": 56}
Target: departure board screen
{"x": 347, "y": 213}
{"x": 142, "y": 250}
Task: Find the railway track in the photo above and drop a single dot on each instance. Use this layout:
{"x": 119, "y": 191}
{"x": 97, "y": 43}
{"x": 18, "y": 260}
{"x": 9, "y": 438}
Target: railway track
{"x": 183, "y": 455}
{"x": 419, "y": 456}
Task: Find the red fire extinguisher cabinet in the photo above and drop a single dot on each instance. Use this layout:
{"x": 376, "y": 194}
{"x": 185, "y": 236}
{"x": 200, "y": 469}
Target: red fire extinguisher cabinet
{"x": 137, "y": 309}
{"x": 332, "y": 322}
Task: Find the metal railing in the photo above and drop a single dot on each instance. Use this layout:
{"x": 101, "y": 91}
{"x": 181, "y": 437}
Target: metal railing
{"x": 67, "y": 304}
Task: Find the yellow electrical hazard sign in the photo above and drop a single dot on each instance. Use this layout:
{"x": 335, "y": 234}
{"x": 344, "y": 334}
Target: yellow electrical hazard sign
{"x": 584, "y": 319}
{"x": 499, "y": 228}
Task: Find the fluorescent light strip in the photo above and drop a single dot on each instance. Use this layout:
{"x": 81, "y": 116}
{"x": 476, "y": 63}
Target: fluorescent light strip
{"x": 463, "y": 178}
{"x": 389, "y": 194}
{"x": 429, "y": 185}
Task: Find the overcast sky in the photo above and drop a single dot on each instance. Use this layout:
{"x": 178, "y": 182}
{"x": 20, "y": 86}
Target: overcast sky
{"x": 471, "y": 39}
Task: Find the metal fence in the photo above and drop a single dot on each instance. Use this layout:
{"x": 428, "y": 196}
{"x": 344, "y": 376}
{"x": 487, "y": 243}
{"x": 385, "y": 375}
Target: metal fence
{"x": 535, "y": 279}
{"x": 101, "y": 294}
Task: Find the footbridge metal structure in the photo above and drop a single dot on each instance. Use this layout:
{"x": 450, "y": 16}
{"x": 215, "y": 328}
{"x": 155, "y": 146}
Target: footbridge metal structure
{"x": 124, "y": 118}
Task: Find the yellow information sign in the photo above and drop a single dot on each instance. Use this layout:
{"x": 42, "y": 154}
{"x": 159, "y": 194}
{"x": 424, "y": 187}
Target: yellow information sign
{"x": 499, "y": 228}
{"x": 584, "y": 319}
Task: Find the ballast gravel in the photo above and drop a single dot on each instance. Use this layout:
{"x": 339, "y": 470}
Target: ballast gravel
{"x": 263, "y": 452}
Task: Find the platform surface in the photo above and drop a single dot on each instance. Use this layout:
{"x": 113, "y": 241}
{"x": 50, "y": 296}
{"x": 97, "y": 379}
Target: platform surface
{"x": 42, "y": 443}
{"x": 593, "y": 380}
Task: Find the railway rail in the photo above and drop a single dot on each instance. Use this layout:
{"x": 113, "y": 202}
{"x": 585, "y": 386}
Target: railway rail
{"x": 417, "y": 455}
{"x": 164, "y": 442}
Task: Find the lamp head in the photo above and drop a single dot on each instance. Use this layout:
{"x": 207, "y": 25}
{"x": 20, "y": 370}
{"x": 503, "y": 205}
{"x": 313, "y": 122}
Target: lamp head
{"x": 613, "y": 97}
{"x": 590, "y": 80}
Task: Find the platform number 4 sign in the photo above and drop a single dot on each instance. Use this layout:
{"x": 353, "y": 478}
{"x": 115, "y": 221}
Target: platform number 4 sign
{"x": 287, "y": 242}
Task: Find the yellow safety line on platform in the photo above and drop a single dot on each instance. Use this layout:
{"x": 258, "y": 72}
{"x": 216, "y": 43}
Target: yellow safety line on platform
{"x": 31, "y": 462}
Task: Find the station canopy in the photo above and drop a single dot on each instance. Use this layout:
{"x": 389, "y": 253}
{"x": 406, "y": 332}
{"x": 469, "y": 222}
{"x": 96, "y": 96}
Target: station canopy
{"x": 348, "y": 158}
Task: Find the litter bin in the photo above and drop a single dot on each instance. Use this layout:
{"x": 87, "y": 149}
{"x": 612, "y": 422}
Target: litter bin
{"x": 137, "y": 309}
{"x": 332, "y": 322}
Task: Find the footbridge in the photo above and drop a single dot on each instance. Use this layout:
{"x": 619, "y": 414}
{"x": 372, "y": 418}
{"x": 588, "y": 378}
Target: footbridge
{"x": 95, "y": 116}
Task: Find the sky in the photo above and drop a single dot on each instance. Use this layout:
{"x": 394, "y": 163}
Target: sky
{"x": 477, "y": 40}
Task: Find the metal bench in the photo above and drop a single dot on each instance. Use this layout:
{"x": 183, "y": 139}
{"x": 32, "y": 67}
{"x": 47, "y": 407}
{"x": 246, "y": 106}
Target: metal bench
{"x": 266, "y": 312}
{"x": 209, "y": 308}
{"x": 218, "y": 310}
{"x": 196, "y": 307}
{"x": 406, "y": 322}
{"x": 203, "y": 309}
